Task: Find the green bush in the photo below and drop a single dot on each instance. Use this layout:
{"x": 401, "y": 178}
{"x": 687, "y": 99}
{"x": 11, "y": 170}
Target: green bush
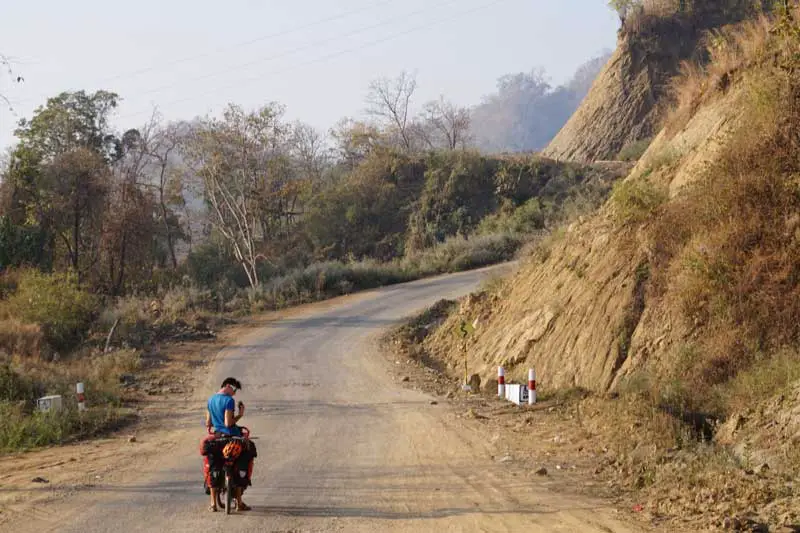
{"x": 210, "y": 264}
{"x": 20, "y": 430}
{"x": 333, "y": 278}
{"x": 636, "y": 200}
{"x": 527, "y": 218}
{"x": 459, "y": 253}
{"x": 635, "y": 150}
{"x": 55, "y": 302}
{"x": 14, "y": 386}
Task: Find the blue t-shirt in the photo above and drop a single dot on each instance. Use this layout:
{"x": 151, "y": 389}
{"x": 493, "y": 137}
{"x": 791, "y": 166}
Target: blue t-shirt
{"x": 217, "y": 405}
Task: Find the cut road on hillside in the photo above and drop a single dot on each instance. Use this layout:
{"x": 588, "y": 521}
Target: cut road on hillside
{"x": 342, "y": 446}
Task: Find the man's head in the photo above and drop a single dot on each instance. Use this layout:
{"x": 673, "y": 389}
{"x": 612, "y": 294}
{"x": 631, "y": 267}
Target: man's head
{"x": 231, "y": 385}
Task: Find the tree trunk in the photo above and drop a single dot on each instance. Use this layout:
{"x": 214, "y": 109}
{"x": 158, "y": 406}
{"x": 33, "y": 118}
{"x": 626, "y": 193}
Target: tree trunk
{"x": 167, "y": 229}
{"x": 76, "y": 235}
{"x": 121, "y": 278}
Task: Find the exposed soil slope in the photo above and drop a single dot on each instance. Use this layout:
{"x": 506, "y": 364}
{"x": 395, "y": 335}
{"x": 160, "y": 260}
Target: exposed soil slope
{"x": 576, "y": 311}
{"x": 625, "y": 103}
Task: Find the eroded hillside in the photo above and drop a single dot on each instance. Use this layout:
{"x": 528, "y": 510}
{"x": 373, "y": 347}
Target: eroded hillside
{"x": 626, "y": 101}
{"x": 677, "y": 301}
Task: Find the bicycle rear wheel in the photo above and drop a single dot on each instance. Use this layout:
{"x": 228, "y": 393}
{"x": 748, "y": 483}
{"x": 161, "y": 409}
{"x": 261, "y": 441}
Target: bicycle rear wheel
{"x": 228, "y": 492}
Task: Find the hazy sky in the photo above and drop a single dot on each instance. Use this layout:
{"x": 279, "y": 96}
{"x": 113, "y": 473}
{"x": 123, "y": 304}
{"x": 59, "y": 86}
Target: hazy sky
{"x": 316, "y": 57}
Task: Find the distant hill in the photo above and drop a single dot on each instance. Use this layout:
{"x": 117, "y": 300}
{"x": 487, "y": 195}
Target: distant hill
{"x": 526, "y": 112}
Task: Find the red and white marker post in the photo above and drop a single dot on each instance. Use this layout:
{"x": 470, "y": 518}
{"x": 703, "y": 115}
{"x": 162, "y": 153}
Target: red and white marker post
{"x": 531, "y": 386}
{"x": 501, "y": 382}
{"x": 81, "y": 397}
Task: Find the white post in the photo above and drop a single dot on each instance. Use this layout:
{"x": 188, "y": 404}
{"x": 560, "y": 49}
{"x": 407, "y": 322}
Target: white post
{"x": 531, "y": 386}
{"x": 81, "y": 397}
{"x": 501, "y": 382}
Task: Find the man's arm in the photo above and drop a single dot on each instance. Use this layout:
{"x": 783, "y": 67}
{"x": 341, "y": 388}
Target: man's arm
{"x": 208, "y": 419}
{"x": 230, "y": 420}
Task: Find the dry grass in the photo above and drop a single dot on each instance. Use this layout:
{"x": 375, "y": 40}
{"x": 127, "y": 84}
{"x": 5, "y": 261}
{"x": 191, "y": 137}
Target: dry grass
{"x": 731, "y": 50}
{"x": 22, "y": 380}
{"x": 19, "y": 338}
{"x": 766, "y": 377}
{"x": 636, "y": 200}
{"x": 727, "y": 251}
{"x": 659, "y": 463}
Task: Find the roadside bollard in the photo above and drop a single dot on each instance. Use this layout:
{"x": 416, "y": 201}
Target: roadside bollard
{"x": 81, "y": 397}
{"x": 531, "y": 386}
{"x": 501, "y": 382}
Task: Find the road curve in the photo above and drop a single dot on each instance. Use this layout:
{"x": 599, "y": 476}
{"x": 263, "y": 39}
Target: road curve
{"x": 341, "y": 446}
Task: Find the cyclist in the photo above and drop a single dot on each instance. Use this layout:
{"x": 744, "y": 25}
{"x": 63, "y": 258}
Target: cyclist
{"x": 222, "y": 419}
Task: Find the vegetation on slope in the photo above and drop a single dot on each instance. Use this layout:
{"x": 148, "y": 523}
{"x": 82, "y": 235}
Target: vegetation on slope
{"x": 698, "y": 281}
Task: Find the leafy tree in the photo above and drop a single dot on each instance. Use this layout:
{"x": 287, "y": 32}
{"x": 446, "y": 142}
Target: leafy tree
{"x": 73, "y": 199}
{"x": 624, "y": 7}
{"x": 366, "y": 213}
{"x": 70, "y": 121}
{"x": 20, "y": 244}
{"x": 354, "y": 141}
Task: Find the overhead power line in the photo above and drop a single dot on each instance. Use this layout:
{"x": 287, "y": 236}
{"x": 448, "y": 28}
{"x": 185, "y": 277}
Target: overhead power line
{"x": 294, "y": 51}
{"x": 327, "y": 57}
{"x": 262, "y": 38}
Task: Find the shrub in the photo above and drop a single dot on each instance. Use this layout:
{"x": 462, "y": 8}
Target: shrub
{"x": 25, "y": 380}
{"x": 56, "y": 303}
{"x": 635, "y": 200}
{"x": 209, "y": 264}
{"x": 765, "y": 378}
{"x": 635, "y": 150}
{"x": 20, "y": 430}
{"x": 14, "y": 386}
{"x": 19, "y": 338}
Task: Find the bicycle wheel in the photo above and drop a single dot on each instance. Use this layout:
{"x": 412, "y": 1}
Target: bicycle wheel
{"x": 228, "y": 492}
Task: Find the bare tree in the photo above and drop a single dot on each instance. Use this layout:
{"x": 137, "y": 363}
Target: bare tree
{"x": 149, "y": 162}
{"x": 239, "y": 160}
{"x": 389, "y": 100}
{"x": 5, "y": 63}
{"x": 161, "y": 145}
{"x": 309, "y": 150}
{"x": 448, "y": 123}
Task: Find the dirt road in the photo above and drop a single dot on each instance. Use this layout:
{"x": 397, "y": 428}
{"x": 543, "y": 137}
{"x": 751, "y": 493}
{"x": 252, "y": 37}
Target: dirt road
{"x": 343, "y": 447}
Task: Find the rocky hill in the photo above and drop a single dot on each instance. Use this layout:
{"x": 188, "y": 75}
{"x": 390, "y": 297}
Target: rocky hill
{"x": 626, "y": 101}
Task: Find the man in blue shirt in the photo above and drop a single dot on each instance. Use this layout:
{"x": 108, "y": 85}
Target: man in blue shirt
{"x": 221, "y": 418}
{"x": 220, "y": 412}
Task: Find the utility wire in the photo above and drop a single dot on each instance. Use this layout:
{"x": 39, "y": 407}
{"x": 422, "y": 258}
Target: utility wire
{"x": 153, "y": 68}
{"x": 294, "y": 51}
{"x": 327, "y": 57}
